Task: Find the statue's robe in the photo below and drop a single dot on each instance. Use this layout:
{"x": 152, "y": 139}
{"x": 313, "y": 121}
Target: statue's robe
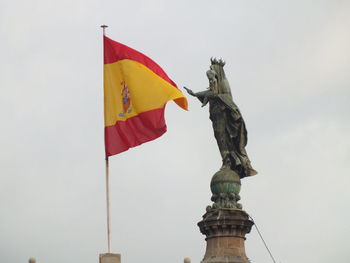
{"x": 229, "y": 130}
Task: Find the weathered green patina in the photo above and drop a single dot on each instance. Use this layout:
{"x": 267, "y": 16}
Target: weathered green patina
{"x": 225, "y": 186}
{"x": 227, "y": 183}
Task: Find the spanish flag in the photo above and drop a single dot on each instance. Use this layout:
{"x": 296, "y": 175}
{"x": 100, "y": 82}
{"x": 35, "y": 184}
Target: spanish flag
{"x": 136, "y": 90}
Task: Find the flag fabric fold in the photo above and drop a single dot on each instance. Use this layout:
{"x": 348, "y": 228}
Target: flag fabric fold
{"x": 136, "y": 90}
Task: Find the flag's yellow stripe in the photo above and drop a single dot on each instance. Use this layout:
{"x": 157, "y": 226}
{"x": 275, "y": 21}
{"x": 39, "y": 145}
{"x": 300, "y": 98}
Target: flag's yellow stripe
{"x": 147, "y": 90}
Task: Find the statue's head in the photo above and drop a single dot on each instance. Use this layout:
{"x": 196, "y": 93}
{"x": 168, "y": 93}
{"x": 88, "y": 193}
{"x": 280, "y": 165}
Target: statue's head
{"x": 217, "y": 71}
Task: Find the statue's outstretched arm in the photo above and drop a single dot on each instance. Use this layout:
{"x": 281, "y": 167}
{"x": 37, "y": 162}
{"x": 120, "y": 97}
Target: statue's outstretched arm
{"x": 189, "y": 91}
{"x": 203, "y": 96}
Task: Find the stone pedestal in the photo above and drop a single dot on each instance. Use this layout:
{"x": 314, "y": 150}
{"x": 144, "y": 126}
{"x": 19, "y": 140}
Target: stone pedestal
{"x": 225, "y": 231}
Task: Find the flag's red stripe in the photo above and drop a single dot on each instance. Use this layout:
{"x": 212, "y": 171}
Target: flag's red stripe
{"x": 115, "y": 51}
{"x": 134, "y": 131}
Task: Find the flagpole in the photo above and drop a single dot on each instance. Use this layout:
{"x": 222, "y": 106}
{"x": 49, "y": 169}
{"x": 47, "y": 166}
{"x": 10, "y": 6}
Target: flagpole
{"x": 108, "y": 206}
{"x": 107, "y": 186}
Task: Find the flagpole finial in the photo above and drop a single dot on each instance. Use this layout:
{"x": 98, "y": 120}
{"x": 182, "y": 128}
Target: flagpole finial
{"x": 104, "y": 29}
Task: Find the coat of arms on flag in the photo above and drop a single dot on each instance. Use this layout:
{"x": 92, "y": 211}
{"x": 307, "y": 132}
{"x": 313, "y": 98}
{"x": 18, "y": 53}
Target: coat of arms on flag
{"x": 125, "y": 99}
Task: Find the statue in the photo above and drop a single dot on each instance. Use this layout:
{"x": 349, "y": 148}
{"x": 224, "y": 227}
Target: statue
{"x": 229, "y": 127}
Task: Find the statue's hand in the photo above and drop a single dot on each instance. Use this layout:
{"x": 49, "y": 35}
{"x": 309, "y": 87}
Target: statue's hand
{"x": 189, "y": 91}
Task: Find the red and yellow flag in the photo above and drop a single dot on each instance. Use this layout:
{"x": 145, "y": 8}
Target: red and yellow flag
{"x": 136, "y": 90}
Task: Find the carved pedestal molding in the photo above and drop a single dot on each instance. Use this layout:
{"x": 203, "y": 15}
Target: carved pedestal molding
{"x": 225, "y": 231}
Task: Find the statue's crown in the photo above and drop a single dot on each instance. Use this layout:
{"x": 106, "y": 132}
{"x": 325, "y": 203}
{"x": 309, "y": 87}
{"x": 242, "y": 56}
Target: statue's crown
{"x": 219, "y": 62}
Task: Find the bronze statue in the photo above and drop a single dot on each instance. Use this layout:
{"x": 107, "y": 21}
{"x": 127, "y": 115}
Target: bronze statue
{"x": 229, "y": 128}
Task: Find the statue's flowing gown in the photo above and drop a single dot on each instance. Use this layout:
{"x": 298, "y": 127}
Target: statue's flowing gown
{"x": 229, "y": 130}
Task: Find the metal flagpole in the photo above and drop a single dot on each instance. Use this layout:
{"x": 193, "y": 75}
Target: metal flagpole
{"x": 108, "y": 206}
{"x": 107, "y": 185}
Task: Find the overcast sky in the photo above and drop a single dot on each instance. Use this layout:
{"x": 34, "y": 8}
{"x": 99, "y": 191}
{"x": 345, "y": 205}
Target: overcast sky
{"x": 288, "y": 64}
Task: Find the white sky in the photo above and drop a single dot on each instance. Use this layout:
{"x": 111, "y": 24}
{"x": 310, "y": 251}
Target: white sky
{"x": 288, "y": 66}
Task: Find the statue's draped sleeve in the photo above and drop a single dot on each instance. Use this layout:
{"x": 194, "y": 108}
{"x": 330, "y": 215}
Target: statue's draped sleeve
{"x": 204, "y": 95}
